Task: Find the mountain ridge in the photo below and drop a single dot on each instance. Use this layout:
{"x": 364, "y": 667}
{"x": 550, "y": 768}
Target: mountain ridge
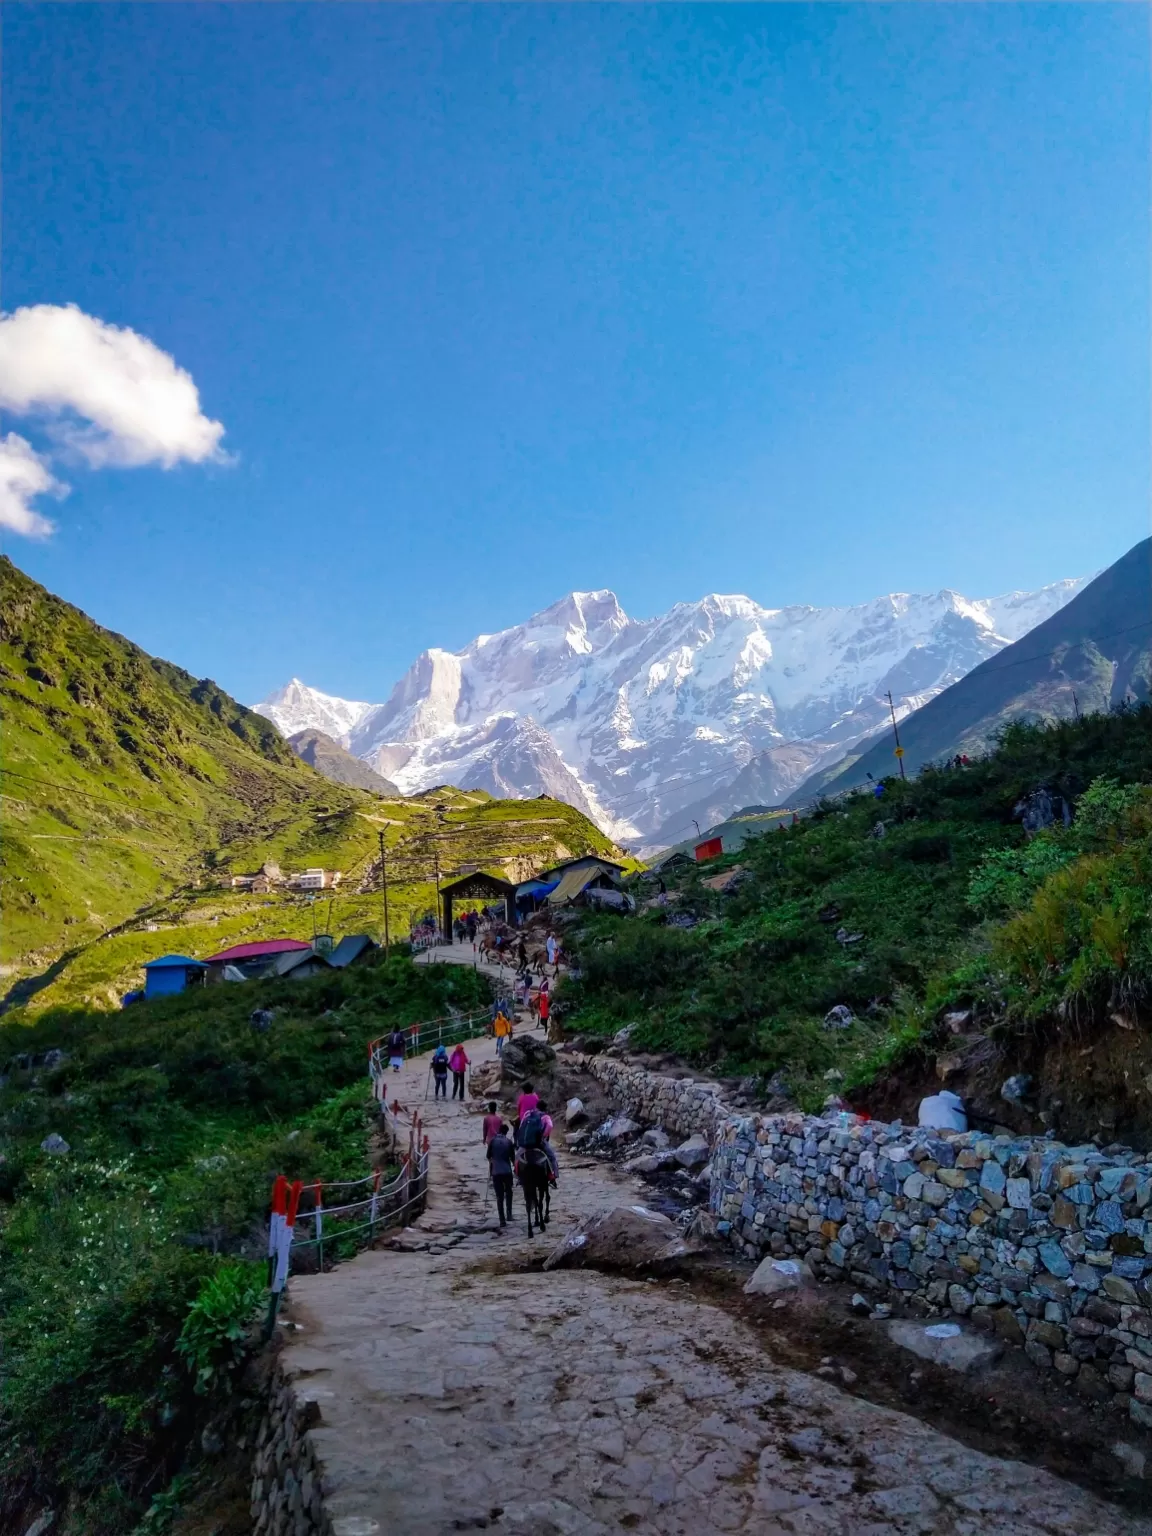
{"x": 1081, "y": 660}
{"x": 637, "y": 721}
{"x": 332, "y": 760}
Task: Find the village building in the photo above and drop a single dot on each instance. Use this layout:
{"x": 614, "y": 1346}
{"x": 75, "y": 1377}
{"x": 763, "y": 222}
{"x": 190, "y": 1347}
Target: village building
{"x": 588, "y": 881}
{"x": 250, "y": 960}
{"x": 315, "y": 879}
{"x": 355, "y": 949}
{"x": 171, "y": 974}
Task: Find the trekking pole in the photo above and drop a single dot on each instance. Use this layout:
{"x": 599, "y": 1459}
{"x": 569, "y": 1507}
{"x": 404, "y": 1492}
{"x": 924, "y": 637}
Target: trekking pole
{"x": 487, "y": 1187}
{"x": 427, "y": 1082}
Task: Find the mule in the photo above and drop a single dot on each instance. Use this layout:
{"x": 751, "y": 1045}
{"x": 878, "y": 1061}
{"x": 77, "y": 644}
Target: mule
{"x": 534, "y": 1175}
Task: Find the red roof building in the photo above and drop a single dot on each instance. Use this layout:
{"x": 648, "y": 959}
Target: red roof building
{"x": 710, "y": 848}
{"x": 256, "y": 951}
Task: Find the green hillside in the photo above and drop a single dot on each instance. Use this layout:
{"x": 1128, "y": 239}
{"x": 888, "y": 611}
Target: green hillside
{"x": 1094, "y": 654}
{"x": 929, "y": 899}
{"x": 133, "y": 792}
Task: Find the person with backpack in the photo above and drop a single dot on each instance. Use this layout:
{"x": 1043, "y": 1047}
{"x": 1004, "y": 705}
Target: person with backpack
{"x": 501, "y": 1165}
{"x": 527, "y": 1101}
{"x": 458, "y": 1064}
{"x": 396, "y": 1049}
{"x": 535, "y": 1165}
{"x": 440, "y": 1072}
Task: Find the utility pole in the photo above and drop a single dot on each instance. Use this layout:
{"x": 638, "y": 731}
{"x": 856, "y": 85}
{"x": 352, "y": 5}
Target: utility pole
{"x": 1075, "y": 704}
{"x": 384, "y": 889}
{"x": 896, "y": 733}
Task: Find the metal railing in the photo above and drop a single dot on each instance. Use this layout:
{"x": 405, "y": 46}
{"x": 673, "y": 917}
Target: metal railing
{"x": 449, "y": 1030}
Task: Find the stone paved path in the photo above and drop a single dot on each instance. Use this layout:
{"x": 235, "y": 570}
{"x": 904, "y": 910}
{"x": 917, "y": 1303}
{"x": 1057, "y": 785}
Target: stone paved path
{"x": 457, "y": 1398}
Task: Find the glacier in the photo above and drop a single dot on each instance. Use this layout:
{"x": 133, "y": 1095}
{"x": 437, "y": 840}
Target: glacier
{"x": 649, "y": 725}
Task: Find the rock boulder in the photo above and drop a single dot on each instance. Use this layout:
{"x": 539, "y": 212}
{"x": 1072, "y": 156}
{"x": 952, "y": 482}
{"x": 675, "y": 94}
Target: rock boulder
{"x": 628, "y": 1237}
{"x": 526, "y": 1056}
{"x": 773, "y": 1276}
{"x": 692, "y": 1153}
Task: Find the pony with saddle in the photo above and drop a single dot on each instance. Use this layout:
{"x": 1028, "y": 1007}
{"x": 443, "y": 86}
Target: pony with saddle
{"x": 534, "y": 1169}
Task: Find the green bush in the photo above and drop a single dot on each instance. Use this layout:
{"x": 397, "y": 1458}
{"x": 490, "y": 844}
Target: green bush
{"x": 217, "y": 1333}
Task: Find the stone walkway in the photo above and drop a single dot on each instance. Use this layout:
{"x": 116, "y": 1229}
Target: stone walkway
{"x": 454, "y": 1395}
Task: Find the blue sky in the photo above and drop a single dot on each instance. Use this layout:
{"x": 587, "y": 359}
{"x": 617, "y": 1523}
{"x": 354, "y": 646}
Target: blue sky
{"x": 808, "y": 302}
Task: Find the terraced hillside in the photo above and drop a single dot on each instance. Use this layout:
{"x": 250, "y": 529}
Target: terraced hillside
{"x": 134, "y": 791}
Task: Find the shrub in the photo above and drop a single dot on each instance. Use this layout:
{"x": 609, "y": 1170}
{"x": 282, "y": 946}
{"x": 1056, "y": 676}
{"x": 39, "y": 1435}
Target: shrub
{"x": 217, "y": 1333}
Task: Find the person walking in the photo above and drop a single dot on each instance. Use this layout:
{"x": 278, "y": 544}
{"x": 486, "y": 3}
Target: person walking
{"x": 544, "y": 1008}
{"x": 550, "y": 948}
{"x": 491, "y": 1124}
{"x": 440, "y": 1072}
{"x": 396, "y": 1048}
{"x": 501, "y": 1029}
{"x": 501, "y": 1164}
{"x": 458, "y": 1064}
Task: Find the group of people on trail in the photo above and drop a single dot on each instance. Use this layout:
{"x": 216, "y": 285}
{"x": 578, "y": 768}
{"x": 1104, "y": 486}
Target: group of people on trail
{"x": 520, "y": 1152}
{"x": 458, "y": 1064}
{"x": 465, "y": 927}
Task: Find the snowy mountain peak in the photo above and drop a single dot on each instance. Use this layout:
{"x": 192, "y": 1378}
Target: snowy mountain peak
{"x": 635, "y": 719}
{"x": 296, "y": 707}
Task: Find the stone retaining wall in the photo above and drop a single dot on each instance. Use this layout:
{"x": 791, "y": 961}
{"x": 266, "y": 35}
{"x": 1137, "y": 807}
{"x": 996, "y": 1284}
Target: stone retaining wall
{"x": 680, "y": 1105}
{"x": 1049, "y": 1246}
{"x": 287, "y": 1487}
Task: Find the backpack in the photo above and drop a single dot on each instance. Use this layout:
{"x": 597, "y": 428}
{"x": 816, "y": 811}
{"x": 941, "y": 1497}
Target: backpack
{"x": 532, "y": 1131}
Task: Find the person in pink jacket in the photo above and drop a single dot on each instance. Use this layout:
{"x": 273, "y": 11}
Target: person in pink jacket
{"x": 458, "y": 1064}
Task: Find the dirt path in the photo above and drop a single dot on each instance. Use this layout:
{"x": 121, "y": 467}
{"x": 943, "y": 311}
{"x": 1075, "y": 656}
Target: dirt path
{"x": 456, "y": 1395}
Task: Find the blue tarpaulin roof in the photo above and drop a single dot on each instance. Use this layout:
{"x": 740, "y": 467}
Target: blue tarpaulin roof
{"x": 172, "y": 960}
{"x": 536, "y": 887}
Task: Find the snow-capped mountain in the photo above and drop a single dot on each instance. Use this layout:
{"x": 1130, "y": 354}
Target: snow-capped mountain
{"x": 640, "y": 722}
{"x": 296, "y": 707}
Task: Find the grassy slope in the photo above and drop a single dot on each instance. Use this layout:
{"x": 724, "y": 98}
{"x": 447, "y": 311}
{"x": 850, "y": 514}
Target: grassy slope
{"x": 132, "y": 791}
{"x": 750, "y": 985}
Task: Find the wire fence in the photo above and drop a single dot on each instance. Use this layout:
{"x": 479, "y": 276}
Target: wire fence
{"x": 452, "y": 1029}
{"x": 334, "y": 1219}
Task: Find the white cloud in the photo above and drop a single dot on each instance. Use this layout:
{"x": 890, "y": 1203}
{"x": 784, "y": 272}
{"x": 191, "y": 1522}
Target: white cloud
{"x": 117, "y": 398}
{"x": 23, "y": 476}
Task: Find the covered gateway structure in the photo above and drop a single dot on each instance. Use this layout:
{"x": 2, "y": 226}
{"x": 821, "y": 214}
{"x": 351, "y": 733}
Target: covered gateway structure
{"x": 477, "y": 887}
